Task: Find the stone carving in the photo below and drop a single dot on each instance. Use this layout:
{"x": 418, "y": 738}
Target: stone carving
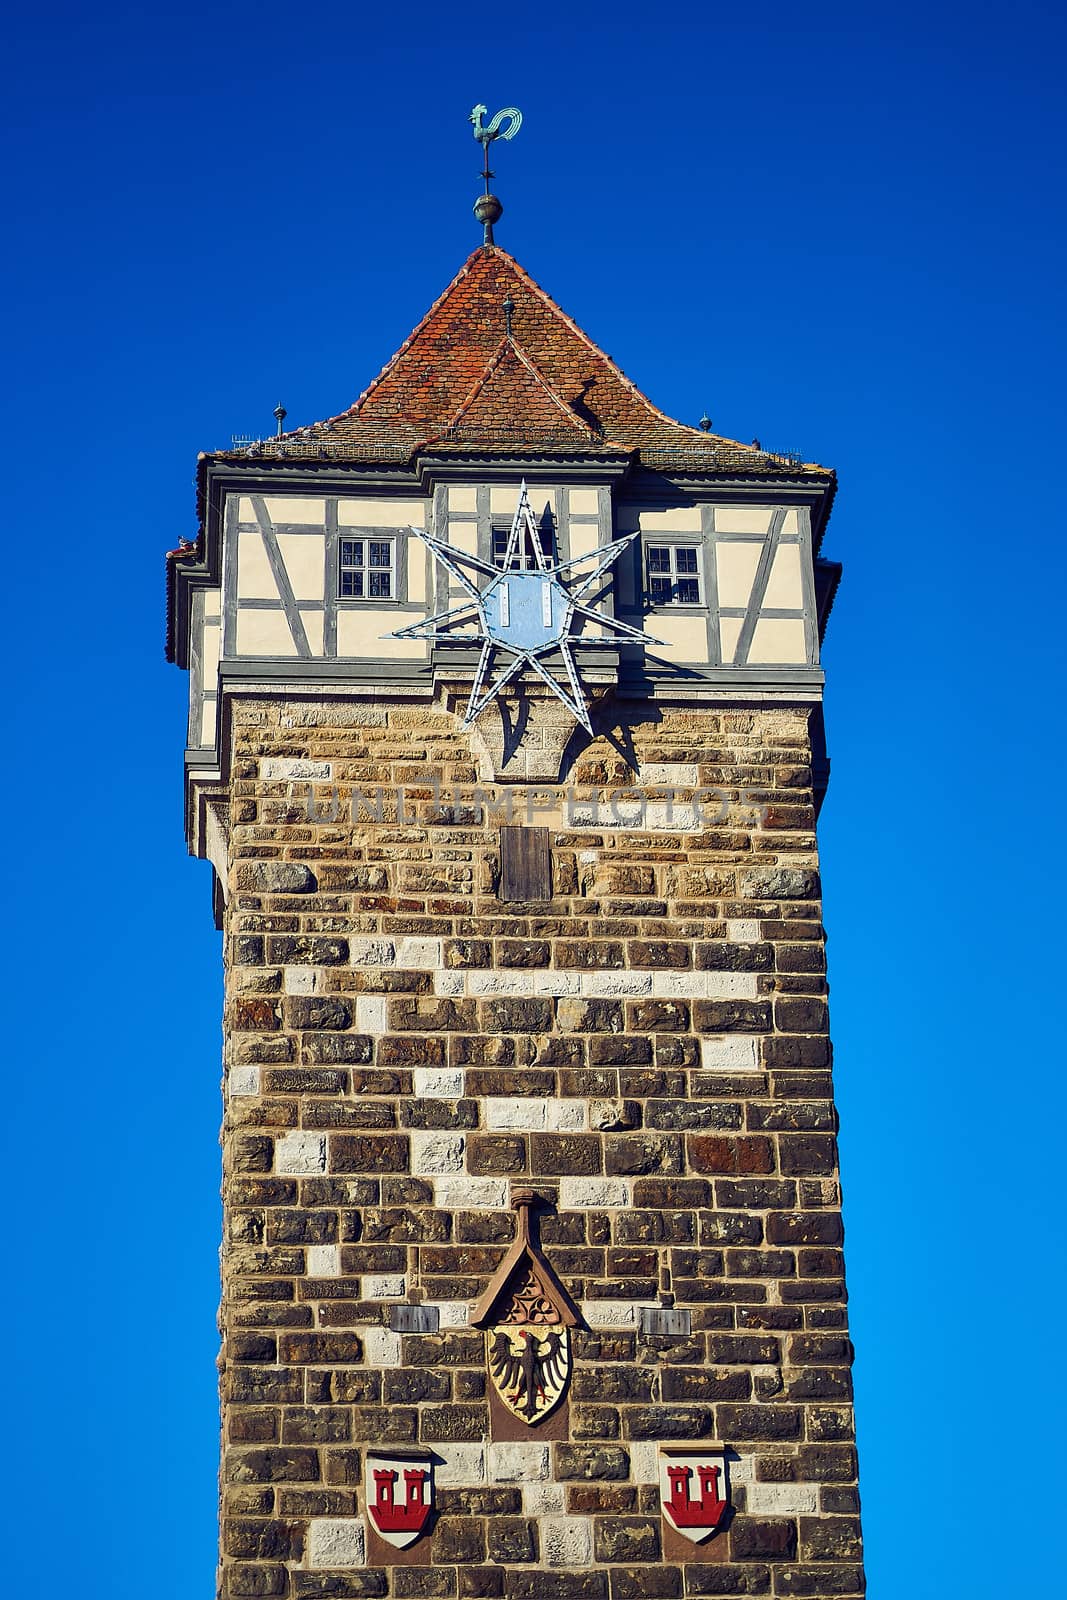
{"x": 527, "y": 1316}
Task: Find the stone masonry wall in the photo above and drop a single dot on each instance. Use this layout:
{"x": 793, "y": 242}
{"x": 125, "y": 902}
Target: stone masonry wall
{"x": 649, "y": 1049}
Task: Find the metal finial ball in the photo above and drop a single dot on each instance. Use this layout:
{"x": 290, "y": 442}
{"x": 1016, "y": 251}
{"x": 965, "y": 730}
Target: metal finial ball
{"x": 705, "y": 423}
{"x": 487, "y": 208}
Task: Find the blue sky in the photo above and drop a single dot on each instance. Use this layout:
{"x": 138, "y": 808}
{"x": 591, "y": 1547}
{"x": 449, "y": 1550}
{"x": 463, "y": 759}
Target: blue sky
{"x": 836, "y": 228}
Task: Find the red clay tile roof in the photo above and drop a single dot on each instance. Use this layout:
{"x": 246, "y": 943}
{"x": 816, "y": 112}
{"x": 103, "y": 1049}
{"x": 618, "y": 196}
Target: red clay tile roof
{"x": 457, "y": 384}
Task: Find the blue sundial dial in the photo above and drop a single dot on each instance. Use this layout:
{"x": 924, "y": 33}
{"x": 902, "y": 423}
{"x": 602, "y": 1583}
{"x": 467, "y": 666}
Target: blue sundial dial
{"x": 526, "y": 615}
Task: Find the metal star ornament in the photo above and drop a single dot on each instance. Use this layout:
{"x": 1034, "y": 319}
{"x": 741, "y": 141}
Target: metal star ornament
{"x": 526, "y": 615}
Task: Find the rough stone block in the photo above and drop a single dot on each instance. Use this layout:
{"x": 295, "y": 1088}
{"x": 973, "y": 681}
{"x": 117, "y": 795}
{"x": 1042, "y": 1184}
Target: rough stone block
{"x": 518, "y": 1462}
{"x": 323, "y": 1261}
{"x": 300, "y": 1153}
{"x": 434, "y": 1153}
{"x": 336, "y": 1542}
{"x": 567, "y": 1541}
{"x": 593, "y": 1193}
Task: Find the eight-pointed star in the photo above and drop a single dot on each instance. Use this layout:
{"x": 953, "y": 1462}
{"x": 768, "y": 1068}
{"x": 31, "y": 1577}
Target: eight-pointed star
{"x": 528, "y": 614}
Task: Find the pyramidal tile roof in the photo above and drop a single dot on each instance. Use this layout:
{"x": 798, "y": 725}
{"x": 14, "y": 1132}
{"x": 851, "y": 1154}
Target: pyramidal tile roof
{"x": 461, "y": 384}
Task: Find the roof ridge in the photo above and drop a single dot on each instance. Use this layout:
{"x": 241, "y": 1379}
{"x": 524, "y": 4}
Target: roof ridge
{"x": 575, "y": 328}
{"x": 510, "y": 344}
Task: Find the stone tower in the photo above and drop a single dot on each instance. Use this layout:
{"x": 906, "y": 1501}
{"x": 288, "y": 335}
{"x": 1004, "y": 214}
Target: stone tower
{"x": 532, "y": 1278}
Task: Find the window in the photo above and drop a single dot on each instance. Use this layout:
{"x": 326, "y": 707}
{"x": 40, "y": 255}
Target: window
{"x": 367, "y": 569}
{"x": 674, "y": 575}
{"x": 524, "y": 559}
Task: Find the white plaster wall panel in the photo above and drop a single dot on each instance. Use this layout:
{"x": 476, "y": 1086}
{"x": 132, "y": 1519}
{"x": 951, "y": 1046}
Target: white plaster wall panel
{"x": 362, "y": 633}
{"x": 503, "y": 500}
{"x": 314, "y": 622}
{"x": 791, "y": 522}
{"x": 463, "y": 536}
{"x": 295, "y": 508}
{"x": 784, "y": 591}
{"x": 209, "y": 654}
{"x": 585, "y": 538}
{"x": 674, "y": 519}
{"x": 358, "y": 513}
{"x": 208, "y": 722}
{"x": 462, "y": 497}
{"x": 583, "y": 502}
{"x": 729, "y": 633}
{"x": 255, "y": 580}
{"x": 735, "y": 565}
{"x": 304, "y": 555}
{"x": 263, "y": 633}
{"x": 778, "y": 640}
{"x": 681, "y": 638}
{"x": 743, "y": 519}
{"x": 418, "y": 557}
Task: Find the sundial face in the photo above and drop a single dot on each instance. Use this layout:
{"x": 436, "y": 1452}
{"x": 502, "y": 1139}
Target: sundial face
{"x": 529, "y": 617}
{"x": 526, "y": 611}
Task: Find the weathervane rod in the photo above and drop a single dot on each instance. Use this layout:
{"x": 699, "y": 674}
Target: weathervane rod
{"x": 487, "y": 208}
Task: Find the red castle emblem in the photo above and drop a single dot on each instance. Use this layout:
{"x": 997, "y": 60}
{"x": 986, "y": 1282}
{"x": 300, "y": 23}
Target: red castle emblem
{"x": 398, "y": 1515}
{"x": 693, "y": 1491}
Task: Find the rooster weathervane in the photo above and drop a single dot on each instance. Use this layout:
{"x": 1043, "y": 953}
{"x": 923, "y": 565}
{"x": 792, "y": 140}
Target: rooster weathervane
{"x": 487, "y": 208}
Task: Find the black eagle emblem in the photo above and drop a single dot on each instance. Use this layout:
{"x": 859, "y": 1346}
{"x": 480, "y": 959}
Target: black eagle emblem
{"x": 532, "y": 1376}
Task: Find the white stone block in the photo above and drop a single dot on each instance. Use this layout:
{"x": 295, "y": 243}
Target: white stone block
{"x": 336, "y": 1542}
{"x": 736, "y": 1052}
{"x": 742, "y": 1470}
{"x": 461, "y": 1464}
{"x": 436, "y": 1152}
{"x": 381, "y": 1346}
{"x": 244, "y": 1080}
{"x": 731, "y": 985}
{"x": 384, "y": 1286}
{"x": 680, "y": 985}
{"x": 301, "y": 980}
{"x": 371, "y": 952}
{"x": 324, "y": 1261}
{"x": 742, "y": 930}
{"x": 565, "y": 1116}
{"x": 524, "y": 1112}
{"x": 543, "y": 1499}
{"x": 609, "y": 983}
{"x": 449, "y": 983}
{"x": 420, "y": 953}
{"x": 300, "y": 1153}
{"x": 557, "y": 984}
{"x": 371, "y": 1015}
{"x": 438, "y": 1083}
{"x": 567, "y": 1541}
{"x": 460, "y": 1193}
{"x": 453, "y": 1313}
{"x": 610, "y": 1313}
{"x": 517, "y": 1463}
{"x": 592, "y": 1194}
{"x": 672, "y": 774}
{"x": 671, "y": 817}
{"x": 271, "y": 771}
{"x": 491, "y": 982}
{"x": 782, "y": 1499}
{"x": 644, "y": 1462}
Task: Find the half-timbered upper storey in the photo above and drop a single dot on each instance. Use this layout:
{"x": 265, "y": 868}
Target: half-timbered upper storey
{"x": 305, "y": 566}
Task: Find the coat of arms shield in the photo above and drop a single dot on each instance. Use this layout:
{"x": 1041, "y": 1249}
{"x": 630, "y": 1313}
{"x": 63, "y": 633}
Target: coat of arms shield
{"x": 694, "y": 1495}
{"x": 527, "y": 1316}
{"x": 398, "y": 1486}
